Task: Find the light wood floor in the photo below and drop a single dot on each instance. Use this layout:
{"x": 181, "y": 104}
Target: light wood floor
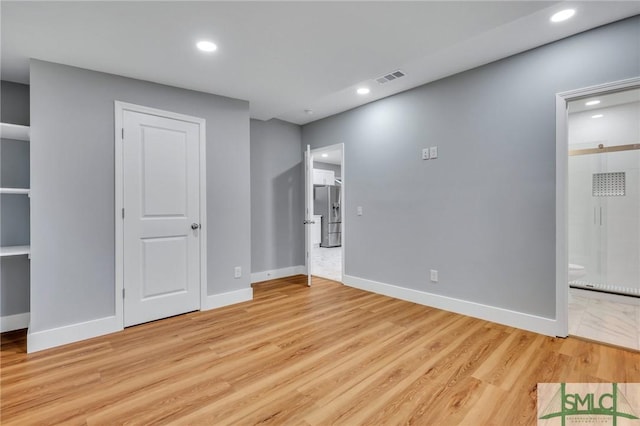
{"x": 328, "y": 354}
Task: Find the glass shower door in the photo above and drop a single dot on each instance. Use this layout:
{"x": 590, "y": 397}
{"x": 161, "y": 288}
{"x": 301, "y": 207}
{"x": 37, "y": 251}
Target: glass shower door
{"x": 620, "y": 222}
{"x": 604, "y": 194}
{"x": 604, "y": 215}
{"x": 587, "y": 259}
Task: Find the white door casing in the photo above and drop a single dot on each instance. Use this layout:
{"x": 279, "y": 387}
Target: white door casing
{"x": 562, "y": 203}
{"x": 161, "y": 257}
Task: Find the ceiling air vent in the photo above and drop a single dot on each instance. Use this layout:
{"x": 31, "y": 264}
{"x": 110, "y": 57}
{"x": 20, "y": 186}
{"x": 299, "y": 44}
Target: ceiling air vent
{"x": 389, "y": 77}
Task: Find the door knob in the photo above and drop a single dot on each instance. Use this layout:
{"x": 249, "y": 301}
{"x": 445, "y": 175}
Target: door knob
{"x": 195, "y": 225}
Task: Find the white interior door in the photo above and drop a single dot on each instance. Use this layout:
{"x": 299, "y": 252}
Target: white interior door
{"x": 308, "y": 210}
{"x": 161, "y": 225}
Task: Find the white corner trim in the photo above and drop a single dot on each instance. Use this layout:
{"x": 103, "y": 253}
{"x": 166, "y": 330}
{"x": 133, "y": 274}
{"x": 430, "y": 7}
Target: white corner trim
{"x": 14, "y": 322}
{"x": 45, "y": 339}
{"x": 489, "y": 313}
{"x": 278, "y": 273}
{"x": 225, "y": 299}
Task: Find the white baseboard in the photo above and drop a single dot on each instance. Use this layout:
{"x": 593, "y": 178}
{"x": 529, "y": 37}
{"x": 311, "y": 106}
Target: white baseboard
{"x": 14, "y": 322}
{"x": 45, "y": 339}
{"x": 224, "y": 299}
{"x": 503, "y": 316}
{"x": 273, "y": 274}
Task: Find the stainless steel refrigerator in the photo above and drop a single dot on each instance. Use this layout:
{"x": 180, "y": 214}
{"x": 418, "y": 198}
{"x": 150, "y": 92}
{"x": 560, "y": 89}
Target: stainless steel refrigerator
{"x": 327, "y": 204}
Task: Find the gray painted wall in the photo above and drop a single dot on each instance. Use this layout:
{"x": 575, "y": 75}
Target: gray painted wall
{"x": 14, "y": 103}
{"x": 72, "y": 181}
{"x": 277, "y": 196}
{"x": 483, "y": 213}
{"x": 14, "y": 287}
{"x": 14, "y": 209}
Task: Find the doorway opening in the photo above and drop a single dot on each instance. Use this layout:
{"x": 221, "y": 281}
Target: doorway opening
{"x": 325, "y": 195}
{"x": 602, "y": 216}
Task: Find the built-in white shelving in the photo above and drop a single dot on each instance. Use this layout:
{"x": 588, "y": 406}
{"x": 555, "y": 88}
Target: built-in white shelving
{"x": 14, "y": 131}
{"x": 15, "y": 250}
{"x": 9, "y": 134}
{"x": 24, "y": 191}
{"x": 21, "y": 133}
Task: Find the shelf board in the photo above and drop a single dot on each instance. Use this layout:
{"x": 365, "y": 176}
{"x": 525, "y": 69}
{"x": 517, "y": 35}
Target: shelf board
{"x": 14, "y": 131}
{"x": 24, "y": 191}
{"x": 15, "y": 250}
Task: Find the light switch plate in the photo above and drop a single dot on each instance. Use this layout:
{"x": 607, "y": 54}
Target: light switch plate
{"x": 433, "y": 152}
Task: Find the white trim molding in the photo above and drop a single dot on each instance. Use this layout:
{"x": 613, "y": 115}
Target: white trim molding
{"x": 45, "y": 339}
{"x": 40, "y": 340}
{"x": 214, "y": 301}
{"x": 562, "y": 193}
{"x": 503, "y": 316}
{"x": 273, "y": 274}
{"x": 14, "y": 322}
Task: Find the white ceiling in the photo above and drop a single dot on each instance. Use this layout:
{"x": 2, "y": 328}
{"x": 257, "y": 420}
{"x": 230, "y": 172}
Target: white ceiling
{"x": 286, "y": 57}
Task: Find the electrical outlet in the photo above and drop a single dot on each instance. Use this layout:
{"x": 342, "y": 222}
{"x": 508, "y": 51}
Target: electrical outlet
{"x": 237, "y": 272}
{"x": 434, "y": 275}
{"x": 359, "y": 211}
{"x": 425, "y": 154}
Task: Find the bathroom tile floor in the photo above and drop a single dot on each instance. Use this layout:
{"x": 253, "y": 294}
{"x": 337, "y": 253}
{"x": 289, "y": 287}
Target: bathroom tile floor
{"x": 605, "y": 318}
{"x": 327, "y": 262}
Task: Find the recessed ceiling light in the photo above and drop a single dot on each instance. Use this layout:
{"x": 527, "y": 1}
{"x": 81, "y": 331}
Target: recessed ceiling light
{"x": 206, "y": 46}
{"x": 325, "y": 155}
{"x": 308, "y": 111}
{"x": 563, "y": 15}
{"x": 363, "y": 90}
{"x": 597, "y": 116}
{"x": 592, "y": 103}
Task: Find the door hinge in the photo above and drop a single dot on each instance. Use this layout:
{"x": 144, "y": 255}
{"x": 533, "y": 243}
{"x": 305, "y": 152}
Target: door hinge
{"x": 123, "y": 293}
{"x": 122, "y": 131}
{"x": 123, "y": 213}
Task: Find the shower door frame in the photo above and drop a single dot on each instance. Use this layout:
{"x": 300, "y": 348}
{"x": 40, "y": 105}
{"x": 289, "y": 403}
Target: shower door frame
{"x": 562, "y": 193}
